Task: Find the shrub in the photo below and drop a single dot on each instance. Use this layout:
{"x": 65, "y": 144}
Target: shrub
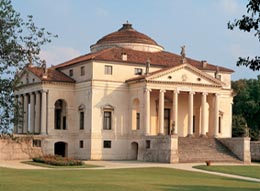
{"x": 57, "y": 160}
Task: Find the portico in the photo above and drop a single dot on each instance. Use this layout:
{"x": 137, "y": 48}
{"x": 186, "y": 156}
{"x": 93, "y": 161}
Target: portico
{"x": 33, "y": 107}
{"x": 193, "y": 119}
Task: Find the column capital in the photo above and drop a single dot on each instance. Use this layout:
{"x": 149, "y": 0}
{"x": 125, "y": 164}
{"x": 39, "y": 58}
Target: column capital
{"x": 44, "y": 91}
{"x": 147, "y": 89}
{"x": 204, "y": 93}
{"x": 176, "y": 91}
{"x": 162, "y": 90}
{"x": 217, "y": 94}
{"x": 192, "y": 92}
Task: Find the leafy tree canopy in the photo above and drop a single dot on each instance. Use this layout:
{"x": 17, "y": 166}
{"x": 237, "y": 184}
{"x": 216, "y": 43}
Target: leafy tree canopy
{"x": 249, "y": 22}
{"x": 246, "y": 107}
{"x": 20, "y": 43}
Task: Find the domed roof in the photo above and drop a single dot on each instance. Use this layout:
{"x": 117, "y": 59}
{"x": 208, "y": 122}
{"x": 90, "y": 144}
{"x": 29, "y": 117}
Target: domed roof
{"x": 126, "y": 34}
{"x": 127, "y": 37}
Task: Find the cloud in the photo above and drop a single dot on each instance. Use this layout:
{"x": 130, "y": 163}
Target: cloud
{"x": 230, "y": 7}
{"x": 57, "y": 54}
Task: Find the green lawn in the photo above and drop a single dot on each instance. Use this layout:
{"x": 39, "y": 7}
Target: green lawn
{"x": 250, "y": 171}
{"x": 143, "y": 179}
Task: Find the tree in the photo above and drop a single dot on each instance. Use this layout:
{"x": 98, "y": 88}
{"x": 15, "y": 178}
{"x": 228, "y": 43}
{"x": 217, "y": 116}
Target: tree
{"x": 20, "y": 43}
{"x": 239, "y": 127}
{"x": 248, "y": 23}
{"x": 246, "y": 110}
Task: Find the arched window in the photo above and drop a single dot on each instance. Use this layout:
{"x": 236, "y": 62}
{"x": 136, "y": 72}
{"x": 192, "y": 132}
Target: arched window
{"x": 60, "y": 115}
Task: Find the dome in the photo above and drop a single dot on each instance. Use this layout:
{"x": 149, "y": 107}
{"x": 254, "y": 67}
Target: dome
{"x": 127, "y": 37}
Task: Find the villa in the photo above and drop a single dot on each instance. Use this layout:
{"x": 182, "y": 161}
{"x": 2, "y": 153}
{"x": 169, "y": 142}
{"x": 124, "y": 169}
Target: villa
{"x": 128, "y": 99}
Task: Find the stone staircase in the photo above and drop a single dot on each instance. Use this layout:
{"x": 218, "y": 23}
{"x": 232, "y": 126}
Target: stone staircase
{"x": 203, "y": 149}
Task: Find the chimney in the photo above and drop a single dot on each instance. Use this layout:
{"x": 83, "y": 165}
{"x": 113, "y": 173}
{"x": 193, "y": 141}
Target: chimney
{"x": 204, "y": 63}
{"x": 124, "y": 56}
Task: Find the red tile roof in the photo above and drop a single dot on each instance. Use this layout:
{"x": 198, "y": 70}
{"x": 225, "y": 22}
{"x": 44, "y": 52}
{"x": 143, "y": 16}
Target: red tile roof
{"x": 126, "y": 34}
{"x": 52, "y": 75}
{"x": 162, "y": 58}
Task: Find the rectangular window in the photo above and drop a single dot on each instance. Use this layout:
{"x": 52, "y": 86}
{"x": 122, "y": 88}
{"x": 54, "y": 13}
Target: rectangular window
{"x": 108, "y": 70}
{"x": 148, "y": 144}
{"x": 81, "y": 144}
{"x": 194, "y": 122}
{"x": 138, "y": 71}
{"x": 70, "y": 72}
{"x": 107, "y": 144}
{"x": 82, "y": 70}
{"x": 37, "y": 143}
{"x": 57, "y": 118}
{"x": 81, "y": 120}
{"x": 107, "y": 120}
{"x": 219, "y": 124}
{"x": 137, "y": 120}
{"x": 64, "y": 122}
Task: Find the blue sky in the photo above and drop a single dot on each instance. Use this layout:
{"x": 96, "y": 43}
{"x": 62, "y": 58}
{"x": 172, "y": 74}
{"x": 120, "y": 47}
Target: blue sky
{"x": 201, "y": 25}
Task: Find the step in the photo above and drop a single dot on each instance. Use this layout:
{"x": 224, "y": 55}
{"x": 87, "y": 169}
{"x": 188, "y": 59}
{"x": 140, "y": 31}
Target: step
{"x": 193, "y": 149}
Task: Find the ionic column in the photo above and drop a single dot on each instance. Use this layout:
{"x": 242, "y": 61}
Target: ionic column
{"x": 190, "y": 124}
{"x": 161, "y": 112}
{"x": 25, "y": 113}
{"x": 203, "y": 112}
{"x": 216, "y": 115}
{"x": 43, "y": 112}
{"x": 32, "y": 112}
{"x": 16, "y": 108}
{"x": 175, "y": 112}
{"x": 147, "y": 111}
{"x": 37, "y": 112}
{"x": 20, "y": 114}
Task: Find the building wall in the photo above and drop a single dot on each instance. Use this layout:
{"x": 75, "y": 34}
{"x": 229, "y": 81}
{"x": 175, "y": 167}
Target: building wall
{"x": 18, "y": 149}
{"x": 121, "y": 71}
{"x": 226, "y": 107}
{"x": 255, "y": 150}
{"x": 88, "y": 69}
{"x": 115, "y": 95}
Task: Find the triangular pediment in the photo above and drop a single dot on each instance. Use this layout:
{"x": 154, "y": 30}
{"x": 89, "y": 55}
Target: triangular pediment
{"x": 28, "y": 77}
{"x": 185, "y": 74}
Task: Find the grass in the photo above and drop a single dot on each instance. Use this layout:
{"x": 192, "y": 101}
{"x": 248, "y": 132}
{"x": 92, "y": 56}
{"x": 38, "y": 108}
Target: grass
{"x": 249, "y": 171}
{"x": 141, "y": 179}
{"x": 54, "y": 166}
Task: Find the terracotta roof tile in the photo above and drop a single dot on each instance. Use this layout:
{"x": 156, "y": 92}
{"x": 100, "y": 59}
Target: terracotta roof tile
{"x": 162, "y": 58}
{"x": 126, "y": 35}
{"x": 53, "y": 75}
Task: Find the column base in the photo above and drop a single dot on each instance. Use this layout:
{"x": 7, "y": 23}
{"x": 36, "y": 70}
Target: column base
{"x": 190, "y": 135}
{"x": 203, "y": 136}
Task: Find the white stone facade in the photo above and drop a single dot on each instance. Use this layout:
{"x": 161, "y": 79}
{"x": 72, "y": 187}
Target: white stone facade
{"x": 110, "y": 109}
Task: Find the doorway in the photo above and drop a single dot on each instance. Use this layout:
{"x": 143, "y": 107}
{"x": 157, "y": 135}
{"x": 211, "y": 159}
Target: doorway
{"x": 134, "y": 151}
{"x": 167, "y": 119}
{"x": 60, "y": 148}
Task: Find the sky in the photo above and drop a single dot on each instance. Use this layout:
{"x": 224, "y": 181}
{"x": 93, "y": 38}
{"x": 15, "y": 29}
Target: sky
{"x": 200, "y": 25}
